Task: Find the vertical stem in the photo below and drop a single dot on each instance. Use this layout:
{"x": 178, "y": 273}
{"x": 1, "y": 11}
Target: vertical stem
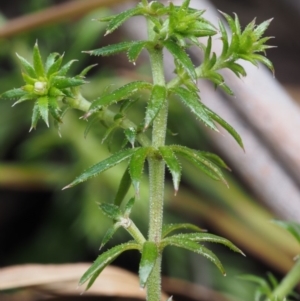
{"x": 288, "y": 283}
{"x": 156, "y": 173}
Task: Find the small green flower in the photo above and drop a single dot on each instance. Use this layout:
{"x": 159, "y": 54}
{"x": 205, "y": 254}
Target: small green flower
{"x": 46, "y": 84}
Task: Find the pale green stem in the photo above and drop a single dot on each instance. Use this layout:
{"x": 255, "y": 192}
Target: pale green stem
{"x": 156, "y": 175}
{"x": 288, "y": 283}
{"x": 80, "y": 103}
{"x": 135, "y": 233}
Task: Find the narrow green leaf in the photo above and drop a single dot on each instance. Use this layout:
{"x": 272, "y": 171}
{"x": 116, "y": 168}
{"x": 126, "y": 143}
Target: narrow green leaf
{"x": 44, "y": 108}
{"x": 181, "y": 56}
{"x": 136, "y": 167}
{"x": 194, "y": 247}
{"x": 192, "y": 101}
{"x": 28, "y": 80}
{"x": 111, "y": 49}
{"x": 201, "y": 162}
{"x": 128, "y": 207}
{"x": 263, "y": 60}
{"x": 292, "y": 227}
{"x": 14, "y": 94}
{"x": 157, "y": 99}
{"x": 173, "y": 165}
{"x": 224, "y": 38}
{"x": 147, "y": 263}
{"x": 135, "y": 50}
{"x": 62, "y": 82}
{"x": 90, "y": 123}
{"x": 169, "y": 228}
{"x": 261, "y": 28}
{"x": 226, "y": 126}
{"x": 102, "y": 166}
{"x": 111, "y": 211}
{"x": 84, "y": 72}
{"x": 65, "y": 68}
{"x": 117, "y": 95}
{"x": 124, "y": 186}
{"x": 130, "y": 134}
{"x": 119, "y": 19}
{"x": 50, "y": 60}
{"x": 215, "y": 159}
{"x": 54, "y": 109}
{"x": 37, "y": 61}
{"x": 105, "y": 259}
{"x": 24, "y": 98}
{"x": 206, "y": 237}
{"x": 55, "y": 66}
{"x": 35, "y": 116}
{"x": 27, "y": 67}
{"x": 109, "y": 234}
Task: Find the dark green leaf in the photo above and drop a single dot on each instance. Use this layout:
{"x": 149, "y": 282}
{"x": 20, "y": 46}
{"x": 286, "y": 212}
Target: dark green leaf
{"x": 35, "y": 116}
{"x": 102, "y": 166}
{"x": 205, "y": 237}
{"x": 123, "y": 188}
{"x": 14, "y": 94}
{"x": 149, "y": 256}
{"x": 119, "y": 19}
{"x": 109, "y": 234}
{"x": 226, "y": 126}
{"x": 43, "y": 108}
{"x": 192, "y": 101}
{"x": 62, "y": 82}
{"x": 111, "y": 211}
{"x": 105, "y": 259}
{"x": 128, "y": 207}
{"x": 194, "y": 247}
{"x": 27, "y": 67}
{"x": 111, "y": 49}
{"x": 168, "y": 228}
{"x": 182, "y": 58}
{"x": 37, "y": 61}
{"x": 201, "y": 162}
{"x": 173, "y": 165}
{"x": 136, "y": 167}
{"x": 54, "y": 109}
{"x": 292, "y": 227}
{"x": 135, "y": 50}
{"x": 157, "y": 99}
{"x": 117, "y": 95}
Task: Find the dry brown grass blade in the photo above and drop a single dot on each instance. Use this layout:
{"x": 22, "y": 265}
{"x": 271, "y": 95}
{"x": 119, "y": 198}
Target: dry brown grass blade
{"x": 57, "y": 13}
{"x": 190, "y": 290}
{"x": 63, "y": 279}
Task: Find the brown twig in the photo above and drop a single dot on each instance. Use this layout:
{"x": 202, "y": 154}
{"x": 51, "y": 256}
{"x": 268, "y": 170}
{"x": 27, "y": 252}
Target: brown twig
{"x": 52, "y": 15}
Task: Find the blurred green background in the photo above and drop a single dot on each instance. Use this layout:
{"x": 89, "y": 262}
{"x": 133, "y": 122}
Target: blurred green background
{"x": 40, "y": 223}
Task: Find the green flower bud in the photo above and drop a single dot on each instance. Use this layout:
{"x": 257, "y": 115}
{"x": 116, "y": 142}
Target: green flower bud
{"x": 40, "y": 88}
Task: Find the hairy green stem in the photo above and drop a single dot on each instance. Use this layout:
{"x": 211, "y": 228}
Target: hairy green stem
{"x": 135, "y": 232}
{"x": 80, "y": 103}
{"x": 156, "y": 176}
{"x": 288, "y": 283}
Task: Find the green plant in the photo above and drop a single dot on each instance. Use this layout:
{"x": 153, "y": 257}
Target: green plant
{"x": 176, "y": 29}
{"x": 272, "y": 290}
